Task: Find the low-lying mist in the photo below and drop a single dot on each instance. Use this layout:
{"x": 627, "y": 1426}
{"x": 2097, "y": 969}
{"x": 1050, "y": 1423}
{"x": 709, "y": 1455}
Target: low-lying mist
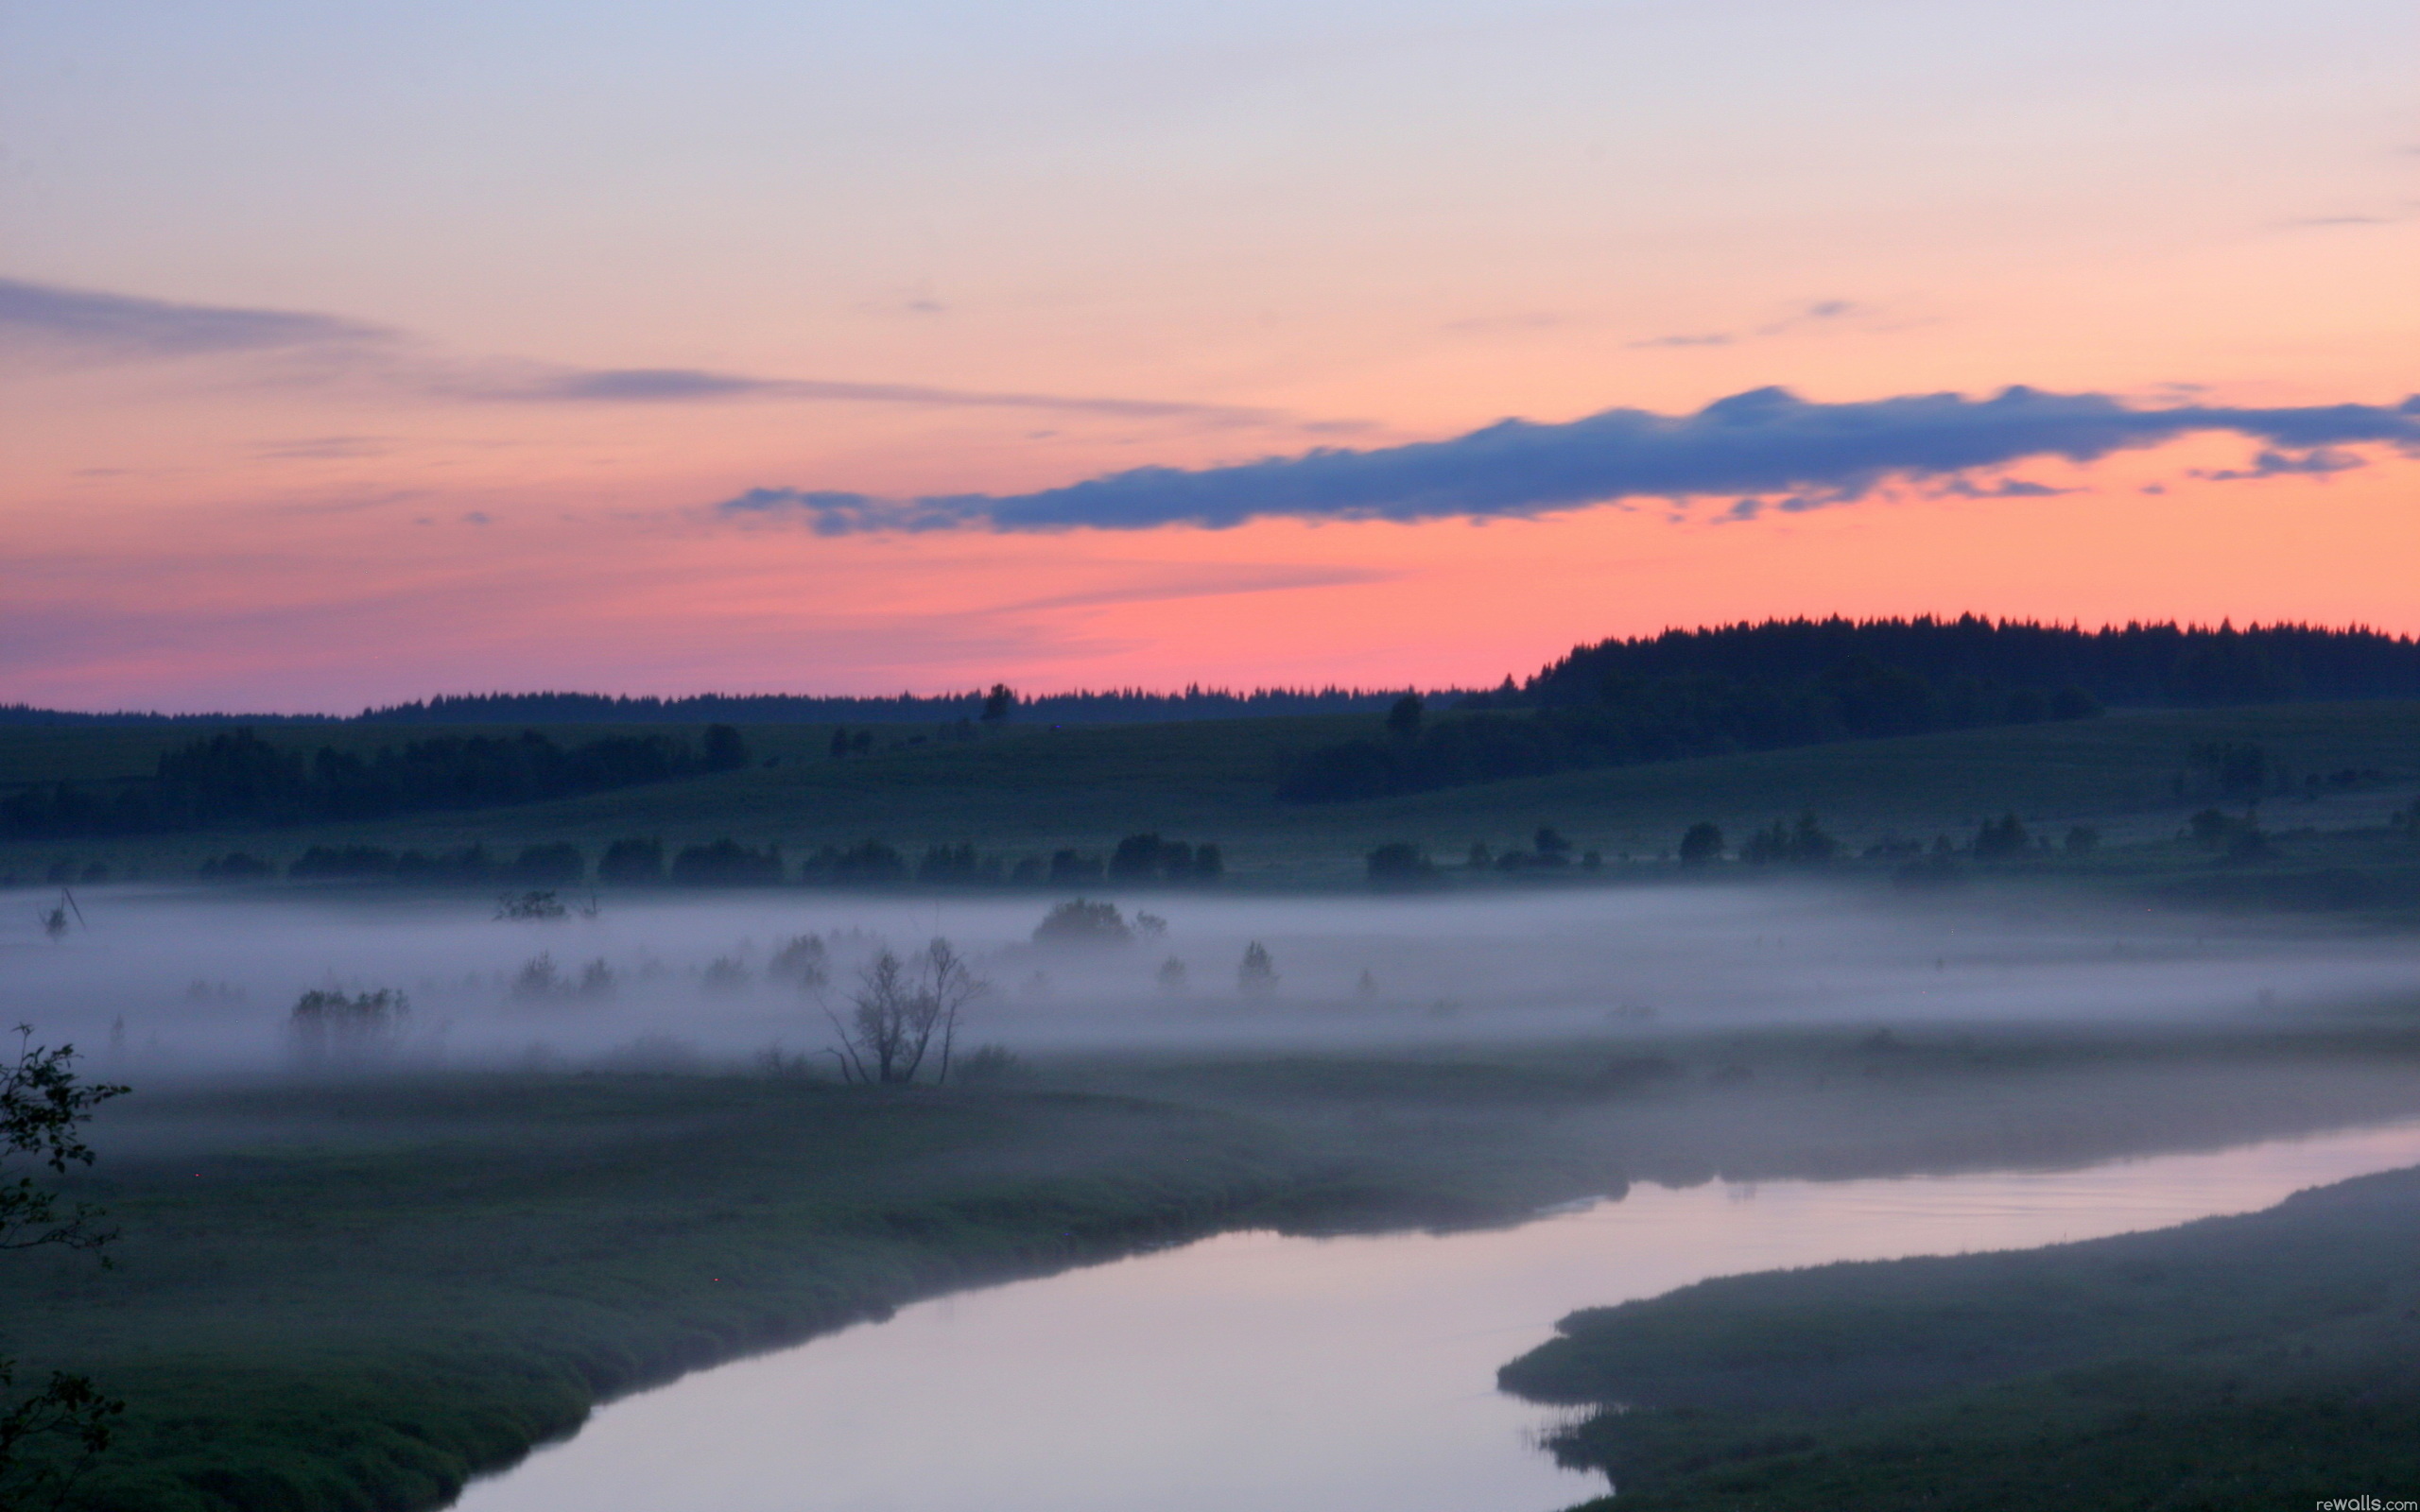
{"x": 192, "y": 982}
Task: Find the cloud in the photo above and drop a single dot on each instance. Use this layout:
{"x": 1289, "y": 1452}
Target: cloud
{"x": 643, "y": 386}
{"x": 126, "y": 326}
{"x": 1765, "y": 441}
{"x": 2318, "y": 463}
{"x": 44, "y": 324}
{"x": 1817, "y": 313}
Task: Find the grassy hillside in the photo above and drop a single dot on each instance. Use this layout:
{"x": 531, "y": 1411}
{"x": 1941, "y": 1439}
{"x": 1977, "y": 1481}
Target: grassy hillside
{"x": 2256, "y": 1362}
{"x": 1033, "y": 790}
{"x": 350, "y": 1294}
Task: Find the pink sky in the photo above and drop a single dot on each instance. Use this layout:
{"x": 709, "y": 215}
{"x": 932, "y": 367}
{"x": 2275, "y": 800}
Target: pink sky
{"x": 334, "y": 352}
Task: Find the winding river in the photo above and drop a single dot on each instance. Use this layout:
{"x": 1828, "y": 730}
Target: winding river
{"x": 1253, "y": 1371}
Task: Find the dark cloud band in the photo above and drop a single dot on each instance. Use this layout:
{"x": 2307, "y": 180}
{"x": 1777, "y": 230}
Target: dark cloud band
{"x": 1762, "y": 442}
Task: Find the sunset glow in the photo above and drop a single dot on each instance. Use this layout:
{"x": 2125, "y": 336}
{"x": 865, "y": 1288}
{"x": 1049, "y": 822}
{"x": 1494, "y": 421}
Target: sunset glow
{"x": 354, "y": 356}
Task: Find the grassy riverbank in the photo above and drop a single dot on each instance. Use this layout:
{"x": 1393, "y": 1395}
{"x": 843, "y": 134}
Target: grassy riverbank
{"x": 352, "y": 1296}
{"x": 2256, "y": 1361}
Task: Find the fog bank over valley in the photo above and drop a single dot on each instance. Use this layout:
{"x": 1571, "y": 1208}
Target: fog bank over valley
{"x": 163, "y": 983}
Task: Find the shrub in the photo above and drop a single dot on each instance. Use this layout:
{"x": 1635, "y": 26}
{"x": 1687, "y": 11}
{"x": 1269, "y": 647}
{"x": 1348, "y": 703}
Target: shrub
{"x": 343, "y": 861}
{"x": 237, "y": 865}
{"x": 1702, "y": 843}
{"x": 727, "y": 863}
{"x": 1256, "y": 975}
{"x": 631, "y": 860}
{"x": 1399, "y": 861}
{"x": 1077, "y": 922}
{"x": 548, "y": 865}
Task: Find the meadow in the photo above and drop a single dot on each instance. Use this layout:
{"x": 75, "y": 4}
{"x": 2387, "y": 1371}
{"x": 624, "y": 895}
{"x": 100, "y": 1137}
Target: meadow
{"x": 354, "y": 1291}
{"x": 1028, "y": 792}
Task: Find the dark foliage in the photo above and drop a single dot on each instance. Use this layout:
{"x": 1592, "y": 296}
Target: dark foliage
{"x": 632, "y": 859}
{"x": 1805, "y": 843}
{"x": 1149, "y": 858}
{"x": 2001, "y": 839}
{"x": 958, "y": 863}
{"x": 867, "y": 863}
{"x": 2135, "y": 665}
{"x": 727, "y": 863}
{"x": 548, "y": 865}
{"x": 1074, "y": 866}
{"x": 235, "y": 778}
{"x": 1701, "y": 844}
{"x": 1079, "y": 922}
{"x": 1398, "y": 862}
{"x": 236, "y": 866}
{"x": 1629, "y": 719}
{"x": 1797, "y": 683}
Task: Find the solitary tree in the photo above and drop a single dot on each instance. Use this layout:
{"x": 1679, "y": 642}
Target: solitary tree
{"x": 1000, "y": 704}
{"x": 900, "y": 1010}
{"x": 1403, "y": 719}
{"x": 1701, "y": 844}
{"x": 43, "y": 1107}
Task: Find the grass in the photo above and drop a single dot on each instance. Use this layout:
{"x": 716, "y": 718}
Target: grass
{"x": 1030, "y": 791}
{"x": 352, "y": 1296}
{"x": 2256, "y": 1362}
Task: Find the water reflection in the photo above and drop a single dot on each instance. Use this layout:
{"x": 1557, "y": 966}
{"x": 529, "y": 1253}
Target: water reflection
{"x": 1344, "y": 1375}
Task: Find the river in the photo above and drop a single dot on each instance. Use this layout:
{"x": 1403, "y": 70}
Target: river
{"x": 1257, "y": 1371}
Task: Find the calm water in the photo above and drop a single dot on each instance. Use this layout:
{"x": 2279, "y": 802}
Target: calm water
{"x": 1342, "y": 1375}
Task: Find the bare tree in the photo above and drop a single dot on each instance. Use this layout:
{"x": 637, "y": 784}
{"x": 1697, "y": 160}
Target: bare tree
{"x": 902, "y": 1013}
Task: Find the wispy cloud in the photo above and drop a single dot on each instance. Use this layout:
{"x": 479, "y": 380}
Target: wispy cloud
{"x": 127, "y": 326}
{"x": 2318, "y": 463}
{"x": 1764, "y": 442}
{"x": 645, "y": 385}
{"x": 45, "y": 325}
{"x": 1818, "y": 313}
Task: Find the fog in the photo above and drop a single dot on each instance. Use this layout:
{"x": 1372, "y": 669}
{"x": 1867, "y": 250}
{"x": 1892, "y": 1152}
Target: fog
{"x": 191, "y": 982}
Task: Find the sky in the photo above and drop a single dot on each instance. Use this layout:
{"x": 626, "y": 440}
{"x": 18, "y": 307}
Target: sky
{"x": 351, "y": 354}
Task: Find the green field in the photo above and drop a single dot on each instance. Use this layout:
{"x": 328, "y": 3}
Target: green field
{"x": 2249, "y": 1362}
{"x": 1030, "y": 791}
{"x": 351, "y": 1296}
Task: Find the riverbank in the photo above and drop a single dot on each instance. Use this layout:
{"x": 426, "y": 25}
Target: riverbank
{"x": 2251, "y": 1362}
{"x": 357, "y": 1295}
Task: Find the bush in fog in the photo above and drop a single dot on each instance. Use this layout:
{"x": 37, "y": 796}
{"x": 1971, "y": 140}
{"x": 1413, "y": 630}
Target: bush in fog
{"x": 1171, "y": 977}
{"x": 1146, "y": 858}
{"x": 1806, "y": 844}
{"x": 329, "y": 1026}
{"x": 1399, "y": 861}
{"x": 548, "y": 865}
{"x": 990, "y": 1063}
{"x": 1071, "y": 865}
{"x": 725, "y": 974}
{"x": 1701, "y": 844}
{"x": 904, "y": 1013}
{"x": 957, "y": 863}
{"x": 538, "y": 979}
{"x": 802, "y": 960}
{"x": 1081, "y": 922}
{"x": 2001, "y": 839}
{"x": 1256, "y": 975}
{"x": 533, "y": 906}
{"x": 631, "y": 860}
{"x": 236, "y": 866}
{"x": 867, "y": 863}
{"x": 343, "y": 861}
{"x": 727, "y": 863}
